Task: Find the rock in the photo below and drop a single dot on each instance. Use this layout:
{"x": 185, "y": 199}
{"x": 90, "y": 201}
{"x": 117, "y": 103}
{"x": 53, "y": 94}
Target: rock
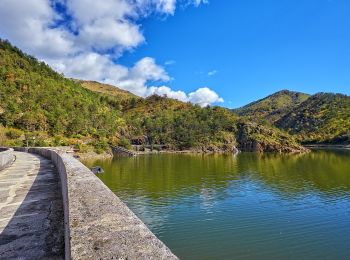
{"x": 97, "y": 169}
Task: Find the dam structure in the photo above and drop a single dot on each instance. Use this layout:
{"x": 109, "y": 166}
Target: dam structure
{"x": 54, "y": 207}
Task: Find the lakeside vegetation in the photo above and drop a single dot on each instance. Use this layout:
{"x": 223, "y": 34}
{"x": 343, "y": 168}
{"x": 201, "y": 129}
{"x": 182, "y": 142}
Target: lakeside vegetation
{"x": 320, "y": 118}
{"x": 41, "y": 107}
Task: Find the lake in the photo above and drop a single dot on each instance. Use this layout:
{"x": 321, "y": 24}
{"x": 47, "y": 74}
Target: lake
{"x": 248, "y": 206}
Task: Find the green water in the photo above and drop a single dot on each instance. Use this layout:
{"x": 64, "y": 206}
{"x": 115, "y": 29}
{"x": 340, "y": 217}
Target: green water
{"x": 248, "y": 206}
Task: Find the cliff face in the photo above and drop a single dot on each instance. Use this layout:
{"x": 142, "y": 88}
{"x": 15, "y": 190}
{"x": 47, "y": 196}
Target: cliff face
{"x": 252, "y": 137}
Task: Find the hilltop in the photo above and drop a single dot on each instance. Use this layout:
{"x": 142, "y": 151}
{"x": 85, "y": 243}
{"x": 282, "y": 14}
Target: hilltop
{"x": 46, "y": 109}
{"x": 107, "y": 90}
{"x": 322, "y": 118}
{"x": 273, "y": 107}
{"x": 319, "y": 118}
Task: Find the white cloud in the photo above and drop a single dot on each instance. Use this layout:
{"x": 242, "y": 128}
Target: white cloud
{"x": 142, "y": 72}
{"x": 204, "y": 97}
{"x": 166, "y": 6}
{"x": 105, "y": 24}
{"x": 107, "y": 33}
{"x": 87, "y": 11}
{"x": 198, "y": 2}
{"x": 88, "y": 43}
{"x": 27, "y": 24}
{"x": 166, "y": 91}
{"x": 149, "y": 70}
{"x": 212, "y": 73}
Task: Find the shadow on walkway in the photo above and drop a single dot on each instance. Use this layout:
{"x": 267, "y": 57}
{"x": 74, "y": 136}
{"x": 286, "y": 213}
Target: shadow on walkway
{"x": 36, "y": 230}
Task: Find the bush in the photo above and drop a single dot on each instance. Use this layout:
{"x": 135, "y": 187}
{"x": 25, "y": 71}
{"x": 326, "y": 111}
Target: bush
{"x": 100, "y": 146}
{"x": 82, "y": 148}
{"x": 124, "y": 142}
{"x": 14, "y": 133}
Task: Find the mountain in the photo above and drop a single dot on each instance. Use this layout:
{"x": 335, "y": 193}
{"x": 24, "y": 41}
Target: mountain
{"x": 210, "y": 129}
{"x": 36, "y": 101}
{"x": 43, "y": 107}
{"x": 107, "y": 90}
{"x": 322, "y": 118}
{"x": 273, "y": 107}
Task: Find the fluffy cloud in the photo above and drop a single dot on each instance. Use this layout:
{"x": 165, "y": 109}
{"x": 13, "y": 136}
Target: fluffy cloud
{"x": 104, "y": 25}
{"x": 204, "y": 97}
{"x": 84, "y": 38}
{"x": 166, "y": 91}
{"x": 135, "y": 80}
{"x": 28, "y": 25}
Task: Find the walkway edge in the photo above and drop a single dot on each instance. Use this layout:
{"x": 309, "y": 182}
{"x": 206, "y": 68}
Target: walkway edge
{"x": 98, "y": 225}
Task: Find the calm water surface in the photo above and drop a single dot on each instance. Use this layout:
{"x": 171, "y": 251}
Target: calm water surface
{"x": 248, "y": 206}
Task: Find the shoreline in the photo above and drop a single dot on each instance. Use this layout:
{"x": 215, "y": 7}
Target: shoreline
{"x": 108, "y": 155}
{"x": 328, "y": 146}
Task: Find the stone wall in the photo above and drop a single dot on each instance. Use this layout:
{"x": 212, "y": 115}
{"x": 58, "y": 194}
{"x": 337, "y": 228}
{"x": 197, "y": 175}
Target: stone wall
{"x": 98, "y": 225}
{"x": 6, "y": 157}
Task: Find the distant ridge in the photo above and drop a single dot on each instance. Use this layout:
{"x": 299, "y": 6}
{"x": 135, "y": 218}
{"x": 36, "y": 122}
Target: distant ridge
{"x": 320, "y": 118}
{"x": 323, "y": 117}
{"x": 273, "y": 107}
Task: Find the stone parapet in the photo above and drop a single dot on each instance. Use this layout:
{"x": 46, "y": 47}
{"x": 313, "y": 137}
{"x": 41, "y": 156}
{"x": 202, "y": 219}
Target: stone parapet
{"x": 98, "y": 225}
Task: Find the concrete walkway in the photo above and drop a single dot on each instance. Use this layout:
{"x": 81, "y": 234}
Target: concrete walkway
{"x": 31, "y": 211}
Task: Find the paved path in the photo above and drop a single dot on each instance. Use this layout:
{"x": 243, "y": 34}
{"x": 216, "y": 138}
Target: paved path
{"x": 31, "y": 211}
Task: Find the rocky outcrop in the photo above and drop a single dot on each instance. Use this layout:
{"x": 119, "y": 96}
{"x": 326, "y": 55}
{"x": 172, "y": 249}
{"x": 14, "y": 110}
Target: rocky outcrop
{"x": 257, "y": 138}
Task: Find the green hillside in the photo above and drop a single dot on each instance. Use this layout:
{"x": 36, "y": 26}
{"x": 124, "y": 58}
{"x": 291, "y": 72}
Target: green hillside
{"x": 320, "y": 118}
{"x": 273, "y": 107}
{"x": 324, "y": 117}
{"x": 107, "y": 89}
{"x": 35, "y": 101}
{"x": 182, "y": 126}
{"x": 41, "y": 106}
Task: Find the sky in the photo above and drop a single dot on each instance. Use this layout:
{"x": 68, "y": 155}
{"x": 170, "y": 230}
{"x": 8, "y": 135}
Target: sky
{"x": 208, "y": 52}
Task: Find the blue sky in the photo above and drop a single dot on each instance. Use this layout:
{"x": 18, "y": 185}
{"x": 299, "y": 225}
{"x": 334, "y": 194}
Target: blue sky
{"x": 256, "y": 47}
{"x": 207, "y": 52}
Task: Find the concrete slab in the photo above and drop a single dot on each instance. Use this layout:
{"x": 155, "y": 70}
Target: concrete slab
{"x": 31, "y": 211}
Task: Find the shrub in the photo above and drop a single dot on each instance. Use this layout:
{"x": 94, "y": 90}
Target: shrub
{"x": 124, "y": 142}
{"x": 14, "y": 133}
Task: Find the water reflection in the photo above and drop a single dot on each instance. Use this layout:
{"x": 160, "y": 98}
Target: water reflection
{"x": 159, "y": 176}
{"x": 252, "y": 206}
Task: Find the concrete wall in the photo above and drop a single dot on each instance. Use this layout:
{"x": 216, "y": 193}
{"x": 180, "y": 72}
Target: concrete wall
{"x": 98, "y": 225}
{"x": 6, "y": 157}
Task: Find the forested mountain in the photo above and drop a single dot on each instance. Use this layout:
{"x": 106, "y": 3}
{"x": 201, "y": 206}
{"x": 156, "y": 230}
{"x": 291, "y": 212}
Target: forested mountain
{"x": 44, "y": 107}
{"x": 322, "y": 118}
{"x": 273, "y": 107}
{"x": 35, "y": 101}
